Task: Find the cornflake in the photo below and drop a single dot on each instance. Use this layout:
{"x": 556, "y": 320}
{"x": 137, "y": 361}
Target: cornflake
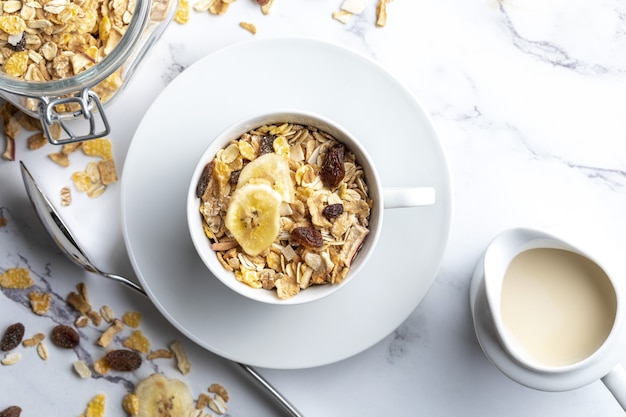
{"x": 182, "y": 12}
{"x": 95, "y": 407}
{"x": 132, "y": 319}
{"x": 16, "y": 278}
{"x": 40, "y": 303}
{"x": 137, "y": 341}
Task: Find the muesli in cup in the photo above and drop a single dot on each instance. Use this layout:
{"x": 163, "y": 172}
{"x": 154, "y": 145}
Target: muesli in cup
{"x": 286, "y": 207}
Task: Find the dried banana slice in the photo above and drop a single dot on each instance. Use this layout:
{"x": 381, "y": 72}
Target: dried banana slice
{"x": 273, "y": 168}
{"x": 162, "y": 397}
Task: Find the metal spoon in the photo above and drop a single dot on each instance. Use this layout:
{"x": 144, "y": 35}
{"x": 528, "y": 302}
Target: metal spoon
{"x": 64, "y": 239}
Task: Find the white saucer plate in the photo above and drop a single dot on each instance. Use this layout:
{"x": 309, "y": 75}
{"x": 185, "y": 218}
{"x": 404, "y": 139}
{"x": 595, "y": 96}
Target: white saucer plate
{"x": 244, "y": 80}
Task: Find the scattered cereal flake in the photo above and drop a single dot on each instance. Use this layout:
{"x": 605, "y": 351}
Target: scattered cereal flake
{"x": 17, "y": 278}
{"x": 353, "y": 6}
{"x": 33, "y": 341}
{"x": 93, "y": 172}
{"x": 219, "y": 7}
{"x": 267, "y": 7}
{"x": 131, "y": 404}
{"x": 95, "y": 317}
{"x": 3, "y": 221}
{"x": 11, "y": 358}
{"x": 342, "y": 16}
{"x": 381, "y": 13}
{"x": 39, "y": 302}
{"x": 218, "y": 405}
{"x": 101, "y": 147}
{"x": 108, "y": 174}
{"x": 107, "y": 336}
{"x": 68, "y": 148}
{"x": 36, "y": 141}
{"x": 96, "y": 190}
{"x": 182, "y": 362}
{"x": 107, "y": 313}
{"x": 95, "y": 408}
{"x": 250, "y": 27}
{"x": 138, "y": 341}
{"x": 182, "y": 12}
{"x": 159, "y": 354}
{"x": 66, "y": 196}
{"x": 60, "y": 158}
{"x": 203, "y": 401}
{"x": 101, "y": 366}
{"x": 42, "y": 350}
{"x": 81, "y": 180}
{"x": 82, "y": 369}
{"x": 281, "y": 146}
{"x": 219, "y": 390}
{"x": 132, "y": 319}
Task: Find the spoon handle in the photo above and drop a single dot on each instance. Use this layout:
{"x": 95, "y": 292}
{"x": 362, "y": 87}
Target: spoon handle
{"x": 124, "y": 281}
{"x": 282, "y": 401}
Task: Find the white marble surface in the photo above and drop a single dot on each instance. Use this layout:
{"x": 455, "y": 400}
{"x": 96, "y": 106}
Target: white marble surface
{"x": 527, "y": 96}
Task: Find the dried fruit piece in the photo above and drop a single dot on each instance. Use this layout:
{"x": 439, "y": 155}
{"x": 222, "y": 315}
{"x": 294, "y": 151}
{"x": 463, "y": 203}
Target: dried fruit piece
{"x": 12, "y": 411}
{"x": 381, "y": 13}
{"x": 12, "y": 337}
{"x": 273, "y": 168}
{"x": 107, "y": 313}
{"x": 182, "y": 361}
{"x": 17, "y": 278}
{"x": 333, "y": 170}
{"x": 332, "y": 211}
{"x": 162, "y": 397}
{"x": 137, "y": 341}
{"x": 65, "y": 337}
{"x": 132, "y": 319}
{"x": 123, "y": 360}
{"x": 159, "y": 354}
{"x": 308, "y": 237}
{"x": 40, "y": 303}
{"x": 219, "y": 390}
{"x": 79, "y": 302}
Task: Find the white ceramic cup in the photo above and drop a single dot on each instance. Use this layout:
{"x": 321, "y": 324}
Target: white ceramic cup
{"x": 602, "y": 364}
{"x": 382, "y": 198}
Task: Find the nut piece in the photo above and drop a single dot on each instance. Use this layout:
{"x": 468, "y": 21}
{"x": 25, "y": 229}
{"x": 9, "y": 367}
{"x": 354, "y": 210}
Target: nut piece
{"x": 65, "y": 337}
{"x": 219, "y": 390}
{"x": 182, "y": 362}
{"x": 107, "y": 336}
{"x": 12, "y": 337}
{"x": 82, "y": 369}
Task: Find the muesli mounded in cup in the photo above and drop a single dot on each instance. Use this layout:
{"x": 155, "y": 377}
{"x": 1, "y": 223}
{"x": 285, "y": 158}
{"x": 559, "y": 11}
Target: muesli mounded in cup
{"x": 285, "y": 206}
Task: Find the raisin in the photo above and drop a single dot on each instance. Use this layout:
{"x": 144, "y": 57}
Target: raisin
{"x": 234, "y": 177}
{"x": 123, "y": 360}
{"x": 332, "y": 211}
{"x": 267, "y": 144}
{"x": 12, "y": 411}
{"x": 333, "y": 169}
{"x": 204, "y": 179}
{"x": 307, "y": 236}
{"x": 12, "y": 337}
{"x": 65, "y": 337}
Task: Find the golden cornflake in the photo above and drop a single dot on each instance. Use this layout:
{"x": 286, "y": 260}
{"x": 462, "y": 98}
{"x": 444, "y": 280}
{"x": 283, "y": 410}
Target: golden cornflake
{"x": 101, "y": 366}
{"x": 182, "y": 12}
{"x": 132, "y": 319}
{"x": 81, "y": 180}
{"x": 250, "y": 27}
{"x": 17, "y": 63}
{"x": 182, "y": 362}
{"x": 17, "y": 278}
{"x": 137, "y": 341}
{"x": 101, "y": 147}
{"x": 60, "y": 158}
{"x": 40, "y": 303}
{"x": 96, "y": 408}
{"x": 36, "y": 141}
{"x": 131, "y": 404}
{"x": 12, "y": 24}
{"x": 108, "y": 174}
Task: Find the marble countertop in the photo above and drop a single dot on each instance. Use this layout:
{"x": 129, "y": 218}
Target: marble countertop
{"x": 527, "y": 97}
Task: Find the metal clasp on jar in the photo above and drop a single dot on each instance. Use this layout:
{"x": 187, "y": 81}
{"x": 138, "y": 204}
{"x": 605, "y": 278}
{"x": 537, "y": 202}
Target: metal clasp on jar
{"x": 89, "y": 106}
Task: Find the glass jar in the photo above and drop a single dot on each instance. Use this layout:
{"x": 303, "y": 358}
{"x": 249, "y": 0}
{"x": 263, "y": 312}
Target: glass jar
{"x": 76, "y": 103}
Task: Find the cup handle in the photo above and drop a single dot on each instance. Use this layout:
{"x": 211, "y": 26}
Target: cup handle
{"x": 398, "y": 197}
{"x": 615, "y": 381}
